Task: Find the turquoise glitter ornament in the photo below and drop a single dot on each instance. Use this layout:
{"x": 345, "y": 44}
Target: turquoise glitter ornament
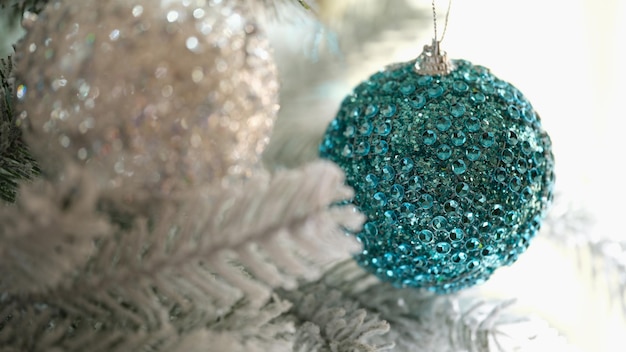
{"x": 450, "y": 165}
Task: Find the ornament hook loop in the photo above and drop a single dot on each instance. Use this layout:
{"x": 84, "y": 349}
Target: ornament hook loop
{"x": 432, "y": 61}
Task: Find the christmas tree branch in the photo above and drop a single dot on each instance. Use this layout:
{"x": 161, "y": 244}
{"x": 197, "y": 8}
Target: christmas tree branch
{"x": 16, "y": 162}
{"x": 24, "y": 5}
{"x": 330, "y": 322}
{"x": 48, "y": 233}
{"x": 347, "y": 299}
{"x": 571, "y": 226}
{"x": 200, "y": 260}
{"x": 610, "y": 258}
{"x": 263, "y": 329}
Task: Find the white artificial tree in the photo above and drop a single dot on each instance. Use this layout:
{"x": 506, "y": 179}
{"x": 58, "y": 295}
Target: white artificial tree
{"x": 259, "y": 264}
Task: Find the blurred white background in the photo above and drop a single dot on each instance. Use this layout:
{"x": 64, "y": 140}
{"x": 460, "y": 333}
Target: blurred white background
{"x": 567, "y": 56}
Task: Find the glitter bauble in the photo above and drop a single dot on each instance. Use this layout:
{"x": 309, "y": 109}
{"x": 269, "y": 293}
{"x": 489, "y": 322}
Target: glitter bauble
{"x": 454, "y": 173}
{"x": 162, "y": 94}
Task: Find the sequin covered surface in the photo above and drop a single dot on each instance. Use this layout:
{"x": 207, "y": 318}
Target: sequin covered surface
{"x": 454, "y": 173}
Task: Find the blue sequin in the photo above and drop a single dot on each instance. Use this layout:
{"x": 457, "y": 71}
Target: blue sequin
{"x": 390, "y": 217}
{"x": 473, "y": 153}
{"x": 514, "y": 112}
{"x": 467, "y": 218}
{"x": 425, "y": 201}
{"x": 470, "y": 76}
{"x": 460, "y": 86}
{"x": 383, "y": 129}
{"x": 424, "y": 81}
{"x": 450, "y": 206}
{"x": 533, "y": 175}
{"x": 366, "y": 128}
{"x": 381, "y": 147}
{"x": 472, "y": 124}
{"x": 515, "y": 184}
{"x": 350, "y": 131}
{"x": 388, "y": 173}
{"x": 371, "y": 111}
{"x": 459, "y": 257}
{"x": 500, "y": 174}
{"x": 407, "y": 89}
{"x": 505, "y": 94}
{"x": 459, "y": 167}
{"x": 462, "y": 189}
{"x": 478, "y": 98}
{"x": 512, "y": 138}
{"x": 487, "y": 88}
{"x": 443, "y": 247}
{"x": 487, "y": 139}
{"x": 435, "y": 91}
{"x": 425, "y": 236}
{"x": 370, "y": 229}
{"x": 406, "y": 165}
{"x": 363, "y": 148}
{"x": 507, "y": 156}
{"x": 444, "y": 152}
{"x": 429, "y": 137}
{"x": 443, "y": 123}
{"x": 371, "y": 181}
{"x": 416, "y": 183}
{"x": 380, "y": 199}
{"x": 458, "y": 188}
{"x": 388, "y": 110}
{"x": 347, "y": 151}
{"x": 397, "y": 192}
{"x": 417, "y": 101}
{"x": 458, "y": 138}
{"x": 529, "y": 115}
{"x": 457, "y": 110}
{"x": 390, "y": 86}
{"x": 439, "y": 222}
{"x": 407, "y": 210}
{"x": 472, "y": 244}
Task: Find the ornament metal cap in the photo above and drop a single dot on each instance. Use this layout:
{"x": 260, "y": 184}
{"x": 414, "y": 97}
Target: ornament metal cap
{"x": 432, "y": 61}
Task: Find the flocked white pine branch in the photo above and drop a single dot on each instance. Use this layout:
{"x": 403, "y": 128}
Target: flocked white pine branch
{"x": 350, "y": 310}
{"x": 189, "y": 265}
{"x": 328, "y": 321}
{"x": 571, "y": 226}
{"x": 49, "y": 233}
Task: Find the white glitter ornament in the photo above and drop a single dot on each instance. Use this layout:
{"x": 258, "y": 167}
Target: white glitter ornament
{"x": 165, "y": 95}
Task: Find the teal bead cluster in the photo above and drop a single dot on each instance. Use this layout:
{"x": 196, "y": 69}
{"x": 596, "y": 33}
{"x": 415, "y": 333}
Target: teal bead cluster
{"x": 454, "y": 173}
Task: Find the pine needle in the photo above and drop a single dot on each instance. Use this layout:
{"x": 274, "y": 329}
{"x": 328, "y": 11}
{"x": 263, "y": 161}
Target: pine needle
{"x": 16, "y": 163}
{"x": 184, "y": 267}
